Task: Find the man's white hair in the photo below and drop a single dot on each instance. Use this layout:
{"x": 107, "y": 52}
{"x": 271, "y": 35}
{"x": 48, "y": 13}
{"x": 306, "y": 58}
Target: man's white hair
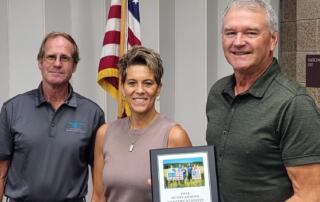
{"x": 271, "y": 15}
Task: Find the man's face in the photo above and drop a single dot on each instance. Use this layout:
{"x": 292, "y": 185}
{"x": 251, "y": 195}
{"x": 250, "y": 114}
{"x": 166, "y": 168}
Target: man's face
{"x": 57, "y": 65}
{"x": 247, "y": 41}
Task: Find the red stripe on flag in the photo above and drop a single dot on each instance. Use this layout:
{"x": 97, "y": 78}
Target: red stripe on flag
{"x": 113, "y": 81}
{"x": 115, "y": 12}
{"x": 111, "y": 37}
{"x": 109, "y": 61}
{"x": 132, "y": 39}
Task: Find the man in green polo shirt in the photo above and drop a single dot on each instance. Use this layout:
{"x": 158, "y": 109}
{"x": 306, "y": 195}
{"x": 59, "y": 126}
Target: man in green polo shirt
{"x": 264, "y": 126}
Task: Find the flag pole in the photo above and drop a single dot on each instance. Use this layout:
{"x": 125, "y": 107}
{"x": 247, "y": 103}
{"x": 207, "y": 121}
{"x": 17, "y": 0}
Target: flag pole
{"x": 122, "y": 50}
{"x": 123, "y": 26}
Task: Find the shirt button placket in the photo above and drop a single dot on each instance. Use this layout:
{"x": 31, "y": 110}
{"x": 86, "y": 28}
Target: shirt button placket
{"x": 52, "y": 126}
{"x": 224, "y": 138}
{"x": 225, "y": 132}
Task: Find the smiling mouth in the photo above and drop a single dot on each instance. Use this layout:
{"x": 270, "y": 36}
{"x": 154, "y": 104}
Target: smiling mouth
{"x": 139, "y": 99}
{"x": 240, "y": 52}
{"x": 55, "y": 72}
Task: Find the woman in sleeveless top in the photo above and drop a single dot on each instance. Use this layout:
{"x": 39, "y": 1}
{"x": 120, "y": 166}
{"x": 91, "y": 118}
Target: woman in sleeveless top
{"x": 121, "y": 160}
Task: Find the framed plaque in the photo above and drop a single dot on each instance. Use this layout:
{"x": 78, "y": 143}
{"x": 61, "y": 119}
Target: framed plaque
{"x": 184, "y": 174}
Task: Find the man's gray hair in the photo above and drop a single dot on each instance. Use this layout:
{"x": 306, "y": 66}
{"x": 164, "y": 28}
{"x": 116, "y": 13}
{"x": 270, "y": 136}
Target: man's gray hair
{"x": 272, "y": 17}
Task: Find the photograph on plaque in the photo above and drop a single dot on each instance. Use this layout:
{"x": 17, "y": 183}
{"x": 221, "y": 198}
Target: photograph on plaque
{"x": 184, "y": 174}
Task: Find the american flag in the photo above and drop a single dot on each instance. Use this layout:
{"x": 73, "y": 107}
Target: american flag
{"x": 133, "y": 23}
{"x": 125, "y": 24}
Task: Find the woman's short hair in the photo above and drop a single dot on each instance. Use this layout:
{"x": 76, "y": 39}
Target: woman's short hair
{"x": 140, "y": 55}
{"x": 51, "y": 35}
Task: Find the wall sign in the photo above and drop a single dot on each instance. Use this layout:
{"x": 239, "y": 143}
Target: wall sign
{"x": 313, "y": 71}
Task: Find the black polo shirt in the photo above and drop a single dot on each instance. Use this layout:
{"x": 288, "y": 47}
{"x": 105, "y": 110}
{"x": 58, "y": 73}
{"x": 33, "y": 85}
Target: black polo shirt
{"x": 49, "y": 150}
{"x": 259, "y": 133}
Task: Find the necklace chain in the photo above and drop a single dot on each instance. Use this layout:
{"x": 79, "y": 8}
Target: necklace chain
{"x": 131, "y": 147}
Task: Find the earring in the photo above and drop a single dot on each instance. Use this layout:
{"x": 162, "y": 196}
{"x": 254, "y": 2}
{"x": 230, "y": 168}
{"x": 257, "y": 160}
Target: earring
{"x": 123, "y": 97}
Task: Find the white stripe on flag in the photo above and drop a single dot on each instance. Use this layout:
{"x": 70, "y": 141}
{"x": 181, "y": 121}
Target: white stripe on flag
{"x": 134, "y": 25}
{"x": 116, "y": 2}
{"x": 109, "y": 50}
{"x": 113, "y": 24}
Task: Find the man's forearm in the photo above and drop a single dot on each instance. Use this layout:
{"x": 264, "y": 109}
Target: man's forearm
{"x": 1, "y": 188}
{"x": 305, "y": 183}
{"x": 3, "y": 173}
{"x": 311, "y": 197}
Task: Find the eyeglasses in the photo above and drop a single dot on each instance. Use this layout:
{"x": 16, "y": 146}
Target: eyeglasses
{"x": 53, "y": 58}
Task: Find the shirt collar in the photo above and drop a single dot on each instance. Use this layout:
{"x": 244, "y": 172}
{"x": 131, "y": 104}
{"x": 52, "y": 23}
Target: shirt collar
{"x": 71, "y": 100}
{"x": 259, "y": 88}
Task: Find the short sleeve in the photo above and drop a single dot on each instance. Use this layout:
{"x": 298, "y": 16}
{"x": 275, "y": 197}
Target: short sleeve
{"x": 5, "y": 135}
{"x": 98, "y": 121}
{"x": 300, "y": 132}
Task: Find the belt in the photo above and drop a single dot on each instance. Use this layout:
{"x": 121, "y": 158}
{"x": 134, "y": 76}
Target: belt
{"x": 83, "y": 199}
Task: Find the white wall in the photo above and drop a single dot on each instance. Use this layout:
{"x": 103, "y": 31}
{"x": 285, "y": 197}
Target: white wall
{"x": 190, "y": 67}
{"x": 4, "y": 55}
{"x": 167, "y": 51}
{"x": 25, "y": 31}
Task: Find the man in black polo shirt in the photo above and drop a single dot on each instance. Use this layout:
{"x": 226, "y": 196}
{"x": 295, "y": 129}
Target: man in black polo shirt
{"x": 47, "y": 134}
{"x": 264, "y": 126}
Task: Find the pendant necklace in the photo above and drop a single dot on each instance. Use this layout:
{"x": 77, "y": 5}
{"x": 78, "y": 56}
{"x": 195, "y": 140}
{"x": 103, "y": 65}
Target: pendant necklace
{"x": 137, "y": 132}
{"x": 131, "y": 147}
{"x": 134, "y": 135}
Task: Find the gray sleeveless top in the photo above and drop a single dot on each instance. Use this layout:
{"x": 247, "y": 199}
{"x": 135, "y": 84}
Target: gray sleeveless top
{"x": 125, "y": 173}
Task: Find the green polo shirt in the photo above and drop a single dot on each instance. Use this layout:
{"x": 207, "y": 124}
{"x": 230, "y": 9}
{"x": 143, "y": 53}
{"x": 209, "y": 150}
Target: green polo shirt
{"x": 49, "y": 151}
{"x": 258, "y": 133}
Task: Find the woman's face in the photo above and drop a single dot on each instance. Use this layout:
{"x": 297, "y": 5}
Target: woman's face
{"x": 140, "y": 89}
